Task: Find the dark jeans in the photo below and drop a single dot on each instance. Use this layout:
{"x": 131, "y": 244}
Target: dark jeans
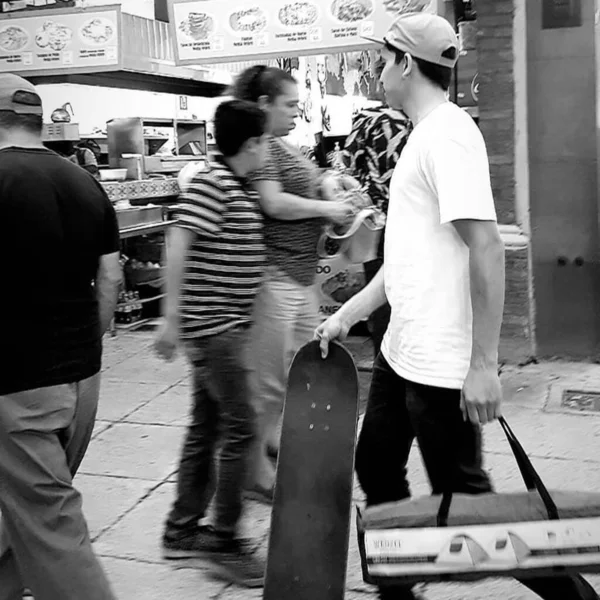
{"x": 380, "y": 319}
{"x": 222, "y": 415}
{"x": 399, "y": 411}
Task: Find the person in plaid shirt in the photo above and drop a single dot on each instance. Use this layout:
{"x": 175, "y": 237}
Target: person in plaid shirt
{"x": 371, "y": 152}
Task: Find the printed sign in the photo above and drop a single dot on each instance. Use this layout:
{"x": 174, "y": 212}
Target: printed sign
{"x": 212, "y": 31}
{"x": 46, "y": 41}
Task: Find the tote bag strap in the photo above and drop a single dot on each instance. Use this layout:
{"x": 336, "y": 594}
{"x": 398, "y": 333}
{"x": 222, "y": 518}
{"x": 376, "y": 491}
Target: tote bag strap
{"x": 532, "y": 480}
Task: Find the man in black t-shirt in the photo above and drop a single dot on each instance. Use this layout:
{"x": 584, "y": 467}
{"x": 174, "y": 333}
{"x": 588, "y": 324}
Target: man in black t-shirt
{"x": 59, "y": 262}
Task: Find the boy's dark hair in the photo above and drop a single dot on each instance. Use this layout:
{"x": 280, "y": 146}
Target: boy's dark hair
{"x": 236, "y": 122}
{"x": 437, "y": 74}
{"x": 13, "y": 120}
{"x": 259, "y": 81}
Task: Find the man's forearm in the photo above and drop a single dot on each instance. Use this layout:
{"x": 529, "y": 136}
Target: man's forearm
{"x": 487, "y": 298}
{"x": 365, "y": 302}
{"x": 178, "y": 241}
{"x": 107, "y": 293}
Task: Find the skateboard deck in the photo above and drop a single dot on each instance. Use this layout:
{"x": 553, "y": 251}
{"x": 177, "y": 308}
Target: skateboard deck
{"x": 310, "y": 522}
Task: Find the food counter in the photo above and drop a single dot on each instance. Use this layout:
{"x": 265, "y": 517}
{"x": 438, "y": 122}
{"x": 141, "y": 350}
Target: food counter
{"x": 145, "y": 189}
{"x": 142, "y": 206}
{"x": 142, "y": 209}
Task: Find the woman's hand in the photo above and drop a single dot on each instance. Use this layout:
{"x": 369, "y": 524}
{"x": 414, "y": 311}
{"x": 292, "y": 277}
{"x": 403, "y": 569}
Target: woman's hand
{"x": 340, "y": 212}
{"x": 333, "y": 184}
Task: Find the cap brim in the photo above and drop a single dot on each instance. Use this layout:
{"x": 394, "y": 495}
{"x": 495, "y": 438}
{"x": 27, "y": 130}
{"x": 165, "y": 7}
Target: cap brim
{"x": 379, "y": 41}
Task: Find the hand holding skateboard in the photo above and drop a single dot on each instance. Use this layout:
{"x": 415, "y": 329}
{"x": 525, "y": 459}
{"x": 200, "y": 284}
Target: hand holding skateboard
{"x": 332, "y": 330}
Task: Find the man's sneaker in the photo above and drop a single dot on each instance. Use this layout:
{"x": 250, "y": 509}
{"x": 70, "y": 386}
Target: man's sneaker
{"x": 240, "y": 566}
{"x": 201, "y": 542}
{"x": 259, "y": 494}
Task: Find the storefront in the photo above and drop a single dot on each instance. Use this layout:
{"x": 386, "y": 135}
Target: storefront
{"x": 538, "y": 105}
{"x": 321, "y": 44}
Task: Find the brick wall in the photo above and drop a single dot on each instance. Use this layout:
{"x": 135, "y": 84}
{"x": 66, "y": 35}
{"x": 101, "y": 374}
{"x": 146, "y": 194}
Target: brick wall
{"x": 496, "y": 98}
{"x": 516, "y": 340}
{"x": 497, "y": 122}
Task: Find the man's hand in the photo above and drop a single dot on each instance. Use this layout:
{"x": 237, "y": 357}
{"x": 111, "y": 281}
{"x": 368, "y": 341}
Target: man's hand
{"x": 334, "y": 329}
{"x": 481, "y": 397}
{"x": 165, "y": 344}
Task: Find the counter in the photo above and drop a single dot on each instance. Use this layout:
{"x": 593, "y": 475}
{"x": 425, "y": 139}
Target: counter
{"x": 147, "y": 214}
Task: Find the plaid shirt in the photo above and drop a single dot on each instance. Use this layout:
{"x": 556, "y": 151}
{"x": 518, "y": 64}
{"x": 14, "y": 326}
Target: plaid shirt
{"x": 373, "y": 148}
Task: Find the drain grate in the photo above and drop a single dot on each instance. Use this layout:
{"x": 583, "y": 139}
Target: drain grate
{"x": 582, "y": 401}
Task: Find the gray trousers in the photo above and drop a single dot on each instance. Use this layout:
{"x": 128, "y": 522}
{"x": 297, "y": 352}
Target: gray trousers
{"x": 44, "y": 540}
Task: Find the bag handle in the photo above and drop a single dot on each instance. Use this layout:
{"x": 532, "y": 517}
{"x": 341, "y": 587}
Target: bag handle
{"x": 359, "y": 219}
{"x": 532, "y": 480}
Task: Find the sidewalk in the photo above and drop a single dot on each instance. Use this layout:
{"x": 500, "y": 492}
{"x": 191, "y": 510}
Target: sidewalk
{"x": 127, "y": 478}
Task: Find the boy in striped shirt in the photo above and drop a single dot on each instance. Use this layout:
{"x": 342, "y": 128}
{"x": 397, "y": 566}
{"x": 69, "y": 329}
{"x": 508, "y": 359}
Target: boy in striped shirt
{"x": 215, "y": 265}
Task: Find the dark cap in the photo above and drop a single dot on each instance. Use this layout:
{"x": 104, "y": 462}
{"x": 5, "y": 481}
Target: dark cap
{"x": 19, "y": 96}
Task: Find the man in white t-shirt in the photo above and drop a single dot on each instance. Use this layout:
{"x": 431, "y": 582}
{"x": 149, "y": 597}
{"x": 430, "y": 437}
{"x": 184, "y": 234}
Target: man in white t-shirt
{"x": 436, "y": 378}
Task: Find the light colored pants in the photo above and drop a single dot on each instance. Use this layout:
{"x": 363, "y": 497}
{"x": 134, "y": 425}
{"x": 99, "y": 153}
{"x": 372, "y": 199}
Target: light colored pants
{"x": 44, "y": 540}
{"x": 286, "y": 315}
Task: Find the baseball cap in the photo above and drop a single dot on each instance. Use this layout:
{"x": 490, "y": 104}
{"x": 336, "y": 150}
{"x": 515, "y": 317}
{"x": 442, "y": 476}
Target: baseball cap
{"x": 19, "y": 96}
{"x": 423, "y": 35}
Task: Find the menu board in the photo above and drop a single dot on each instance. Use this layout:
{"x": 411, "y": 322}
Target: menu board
{"x": 212, "y": 31}
{"x": 59, "y": 41}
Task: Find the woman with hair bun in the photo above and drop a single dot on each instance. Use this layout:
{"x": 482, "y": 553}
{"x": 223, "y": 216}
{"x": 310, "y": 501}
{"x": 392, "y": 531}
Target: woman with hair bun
{"x": 286, "y": 311}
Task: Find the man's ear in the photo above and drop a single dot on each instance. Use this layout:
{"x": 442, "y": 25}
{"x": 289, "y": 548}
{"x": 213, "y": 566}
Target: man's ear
{"x": 263, "y": 101}
{"x": 409, "y": 66}
{"x": 250, "y": 145}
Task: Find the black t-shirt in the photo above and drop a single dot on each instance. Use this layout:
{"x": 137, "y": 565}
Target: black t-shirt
{"x": 56, "y": 223}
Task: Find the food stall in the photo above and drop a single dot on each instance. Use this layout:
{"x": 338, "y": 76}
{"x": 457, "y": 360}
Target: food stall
{"x": 321, "y": 44}
{"x": 139, "y": 158}
{"x": 214, "y": 32}
{"x": 194, "y": 55}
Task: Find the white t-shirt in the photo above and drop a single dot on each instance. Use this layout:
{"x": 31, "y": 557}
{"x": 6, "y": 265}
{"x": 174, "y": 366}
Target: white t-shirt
{"x": 442, "y": 175}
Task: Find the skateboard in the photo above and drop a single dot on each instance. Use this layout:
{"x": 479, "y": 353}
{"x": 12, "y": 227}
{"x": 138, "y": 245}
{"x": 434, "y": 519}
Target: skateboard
{"x": 310, "y": 522}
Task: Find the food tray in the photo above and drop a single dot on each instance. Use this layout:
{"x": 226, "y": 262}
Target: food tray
{"x": 154, "y": 277}
{"x": 139, "y": 215}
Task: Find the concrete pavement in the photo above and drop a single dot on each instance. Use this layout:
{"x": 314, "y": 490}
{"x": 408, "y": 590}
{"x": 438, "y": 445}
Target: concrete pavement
{"x": 127, "y": 478}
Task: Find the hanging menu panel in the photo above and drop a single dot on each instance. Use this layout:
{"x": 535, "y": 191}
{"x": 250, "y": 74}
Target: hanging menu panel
{"x": 46, "y": 41}
{"x": 212, "y": 31}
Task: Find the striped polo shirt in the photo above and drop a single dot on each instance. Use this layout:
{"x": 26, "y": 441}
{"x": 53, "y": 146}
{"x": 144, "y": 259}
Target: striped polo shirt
{"x": 225, "y": 264}
{"x": 292, "y": 245}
